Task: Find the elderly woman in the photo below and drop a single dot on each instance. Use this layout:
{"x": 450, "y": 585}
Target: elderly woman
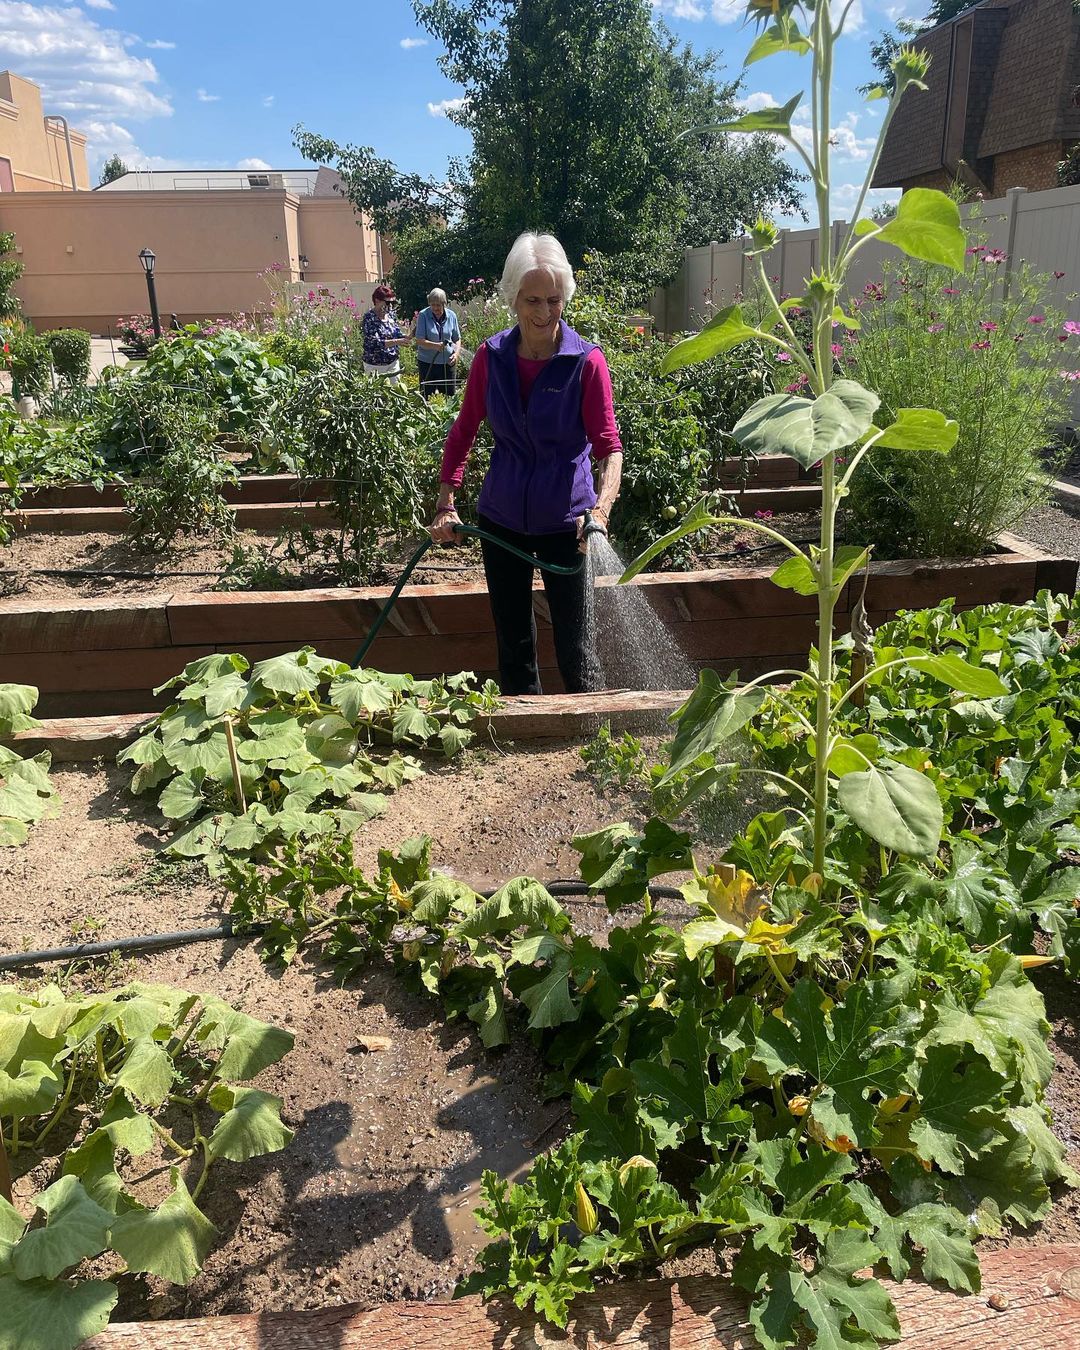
{"x": 546, "y": 395}
{"x": 438, "y": 341}
{"x": 383, "y": 336}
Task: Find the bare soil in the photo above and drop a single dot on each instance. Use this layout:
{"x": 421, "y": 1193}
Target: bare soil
{"x": 54, "y": 568}
{"x": 373, "y": 1200}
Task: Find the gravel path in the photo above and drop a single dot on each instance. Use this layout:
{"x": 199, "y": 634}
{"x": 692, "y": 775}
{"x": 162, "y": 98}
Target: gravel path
{"x": 1053, "y": 529}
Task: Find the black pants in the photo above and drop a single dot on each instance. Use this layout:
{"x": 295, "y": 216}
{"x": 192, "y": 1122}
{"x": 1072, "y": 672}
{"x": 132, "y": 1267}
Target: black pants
{"x": 436, "y": 378}
{"x": 509, "y": 582}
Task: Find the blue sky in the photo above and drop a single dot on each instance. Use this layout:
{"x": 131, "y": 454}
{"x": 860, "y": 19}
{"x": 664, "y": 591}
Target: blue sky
{"x": 220, "y": 83}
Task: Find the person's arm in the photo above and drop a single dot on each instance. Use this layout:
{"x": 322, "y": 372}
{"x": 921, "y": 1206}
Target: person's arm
{"x": 458, "y": 445}
{"x": 455, "y": 333}
{"x": 598, "y": 414}
{"x": 422, "y": 326}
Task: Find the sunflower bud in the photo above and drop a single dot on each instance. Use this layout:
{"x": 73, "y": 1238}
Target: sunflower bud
{"x": 586, "y": 1211}
{"x": 763, "y": 235}
{"x": 910, "y": 67}
{"x": 798, "y": 1106}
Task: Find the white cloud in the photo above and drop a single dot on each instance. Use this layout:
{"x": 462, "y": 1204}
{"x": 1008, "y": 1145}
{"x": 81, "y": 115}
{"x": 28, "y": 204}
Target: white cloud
{"x": 448, "y": 105}
{"x": 410, "y": 43}
{"x": 99, "y": 4}
{"x": 755, "y": 102}
{"x": 204, "y": 97}
{"x": 254, "y": 163}
{"x": 679, "y": 9}
{"x": 84, "y": 71}
{"x": 728, "y": 11}
{"x": 159, "y": 45}
{"x": 268, "y": 101}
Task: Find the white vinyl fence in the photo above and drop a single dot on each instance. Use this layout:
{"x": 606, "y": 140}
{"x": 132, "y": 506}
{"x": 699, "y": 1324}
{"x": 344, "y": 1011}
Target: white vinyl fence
{"x": 1039, "y": 228}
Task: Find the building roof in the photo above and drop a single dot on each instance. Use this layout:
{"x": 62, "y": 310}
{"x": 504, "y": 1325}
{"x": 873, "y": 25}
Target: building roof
{"x": 1003, "y": 75}
{"x": 320, "y": 182}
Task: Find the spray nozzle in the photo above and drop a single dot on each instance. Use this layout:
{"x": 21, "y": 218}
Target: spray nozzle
{"x": 591, "y": 526}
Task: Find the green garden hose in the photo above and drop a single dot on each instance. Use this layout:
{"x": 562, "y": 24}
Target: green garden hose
{"x": 475, "y": 532}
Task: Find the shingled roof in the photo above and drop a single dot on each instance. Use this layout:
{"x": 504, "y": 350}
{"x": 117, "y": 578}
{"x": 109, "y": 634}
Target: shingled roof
{"x": 1003, "y": 75}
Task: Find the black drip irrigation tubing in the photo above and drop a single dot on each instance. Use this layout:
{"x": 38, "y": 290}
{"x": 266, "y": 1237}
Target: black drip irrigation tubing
{"x": 185, "y": 937}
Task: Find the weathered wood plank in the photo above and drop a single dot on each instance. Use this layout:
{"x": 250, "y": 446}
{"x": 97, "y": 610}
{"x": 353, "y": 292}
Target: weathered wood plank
{"x": 28, "y": 626}
{"x": 1039, "y": 1287}
{"x": 115, "y": 519}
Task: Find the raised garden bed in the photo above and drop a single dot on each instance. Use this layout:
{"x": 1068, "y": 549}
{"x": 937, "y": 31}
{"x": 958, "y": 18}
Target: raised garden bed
{"x": 104, "y": 656}
{"x": 1038, "y": 1290}
{"x": 372, "y": 1204}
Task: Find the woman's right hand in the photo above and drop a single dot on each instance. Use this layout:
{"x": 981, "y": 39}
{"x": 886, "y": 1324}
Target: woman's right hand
{"x": 441, "y": 528}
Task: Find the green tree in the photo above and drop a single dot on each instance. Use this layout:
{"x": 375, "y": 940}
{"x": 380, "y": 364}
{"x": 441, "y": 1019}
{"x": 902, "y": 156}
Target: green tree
{"x": 578, "y": 111}
{"x": 113, "y": 168}
{"x": 10, "y": 271}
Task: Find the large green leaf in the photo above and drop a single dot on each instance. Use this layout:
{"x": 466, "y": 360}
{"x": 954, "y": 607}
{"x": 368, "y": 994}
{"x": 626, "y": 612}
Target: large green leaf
{"x": 926, "y": 226}
{"x": 46, "y": 1315}
{"x": 183, "y": 796}
{"x": 726, "y": 329}
{"x": 171, "y": 1241}
{"x": 31, "y": 1090}
{"x": 920, "y": 429}
{"x": 782, "y": 36}
{"x": 1003, "y": 1183}
{"x": 548, "y": 1000}
{"x": 807, "y": 429}
{"x": 147, "y": 1073}
{"x": 846, "y": 1056}
{"x": 249, "y": 1045}
{"x": 250, "y": 1126}
{"x": 896, "y": 806}
{"x": 691, "y": 1086}
{"x": 75, "y": 1228}
{"x": 956, "y": 1110}
{"x": 953, "y": 670}
{"x": 287, "y": 674}
{"x": 712, "y": 714}
{"x": 777, "y": 120}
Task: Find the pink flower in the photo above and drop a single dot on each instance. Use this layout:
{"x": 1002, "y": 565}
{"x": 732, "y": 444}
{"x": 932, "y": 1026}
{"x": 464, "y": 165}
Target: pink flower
{"x": 977, "y": 249}
{"x": 763, "y": 515}
{"x": 783, "y": 356}
{"x": 1036, "y": 318}
{"x": 994, "y": 255}
{"x": 980, "y": 346}
{"x": 935, "y": 327}
{"x": 1071, "y": 327}
{"x": 1070, "y": 375}
{"x": 988, "y": 327}
{"x": 837, "y": 349}
{"x": 795, "y": 310}
{"x": 798, "y": 384}
{"x": 1058, "y": 276}
{"x": 949, "y": 290}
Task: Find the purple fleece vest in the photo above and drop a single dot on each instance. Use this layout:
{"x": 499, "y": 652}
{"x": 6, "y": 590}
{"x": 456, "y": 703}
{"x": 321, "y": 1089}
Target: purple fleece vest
{"x": 540, "y": 478}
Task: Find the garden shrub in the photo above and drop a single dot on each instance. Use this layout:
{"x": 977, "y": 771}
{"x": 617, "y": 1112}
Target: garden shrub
{"x": 26, "y": 793}
{"x": 231, "y": 371}
{"x": 992, "y": 362}
{"x": 70, "y": 350}
{"x": 11, "y": 269}
{"x": 302, "y": 352}
{"x": 30, "y": 363}
{"x": 181, "y": 492}
{"x": 380, "y": 445}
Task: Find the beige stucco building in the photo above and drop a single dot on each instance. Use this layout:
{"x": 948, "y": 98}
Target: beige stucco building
{"x": 212, "y": 231}
{"x": 37, "y": 153}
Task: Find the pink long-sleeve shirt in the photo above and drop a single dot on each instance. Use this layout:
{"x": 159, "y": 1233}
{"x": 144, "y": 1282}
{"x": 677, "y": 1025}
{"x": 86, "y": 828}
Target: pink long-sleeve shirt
{"x": 597, "y": 410}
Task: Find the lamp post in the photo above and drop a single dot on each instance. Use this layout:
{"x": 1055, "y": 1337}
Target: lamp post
{"x": 146, "y": 257}
{"x": 304, "y": 265}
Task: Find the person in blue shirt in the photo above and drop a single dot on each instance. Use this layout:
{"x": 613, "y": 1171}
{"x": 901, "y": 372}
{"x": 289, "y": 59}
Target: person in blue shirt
{"x": 438, "y": 346}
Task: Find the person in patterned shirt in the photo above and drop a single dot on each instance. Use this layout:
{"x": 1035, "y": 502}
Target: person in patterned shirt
{"x": 383, "y": 336}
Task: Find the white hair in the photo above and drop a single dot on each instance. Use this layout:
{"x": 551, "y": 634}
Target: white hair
{"x": 437, "y": 294}
{"x": 532, "y": 252}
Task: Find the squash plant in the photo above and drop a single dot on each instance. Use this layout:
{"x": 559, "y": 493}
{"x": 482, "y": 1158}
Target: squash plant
{"x": 89, "y": 1084}
{"x": 294, "y": 747}
{"x": 892, "y": 802}
{"x": 26, "y": 794}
